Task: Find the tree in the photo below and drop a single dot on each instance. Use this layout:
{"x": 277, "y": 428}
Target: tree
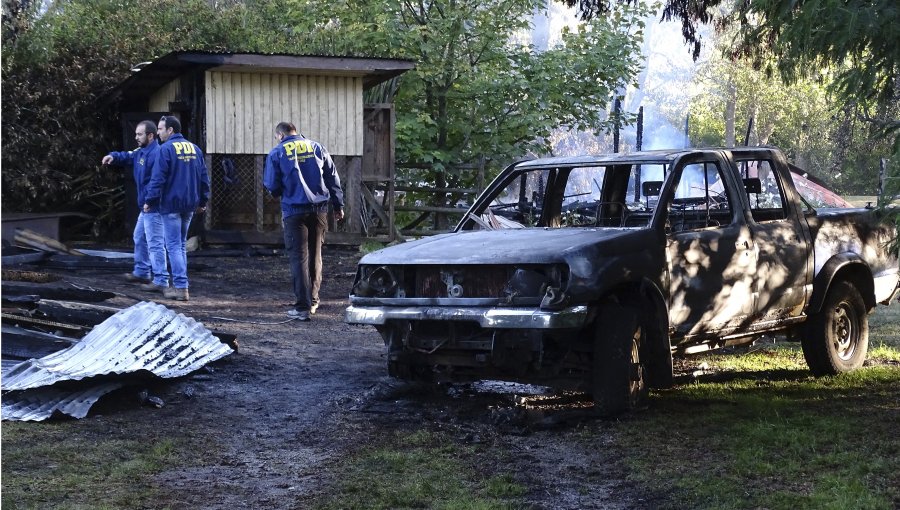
{"x": 59, "y": 64}
{"x": 475, "y": 90}
{"x": 476, "y": 93}
{"x": 855, "y": 40}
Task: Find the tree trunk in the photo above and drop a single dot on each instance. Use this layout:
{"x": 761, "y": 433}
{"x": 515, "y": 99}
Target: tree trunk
{"x": 730, "y": 105}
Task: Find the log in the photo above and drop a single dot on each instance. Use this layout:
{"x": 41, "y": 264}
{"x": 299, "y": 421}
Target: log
{"x": 54, "y": 291}
{"x": 83, "y": 314}
{"x": 22, "y": 343}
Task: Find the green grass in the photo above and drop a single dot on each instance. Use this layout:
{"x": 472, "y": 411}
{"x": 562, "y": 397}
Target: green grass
{"x": 55, "y": 465}
{"x": 370, "y": 246}
{"x": 419, "y": 470}
{"x": 763, "y": 433}
{"x": 884, "y": 334}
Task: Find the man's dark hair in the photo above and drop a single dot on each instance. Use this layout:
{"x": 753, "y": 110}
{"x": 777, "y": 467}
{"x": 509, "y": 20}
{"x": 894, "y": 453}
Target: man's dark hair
{"x": 285, "y": 128}
{"x": 171, "y": 122}
{"x": 149, "y": 127}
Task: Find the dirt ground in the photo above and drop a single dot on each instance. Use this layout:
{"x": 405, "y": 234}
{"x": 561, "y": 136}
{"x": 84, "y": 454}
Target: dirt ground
{"x": 298, "y": 397}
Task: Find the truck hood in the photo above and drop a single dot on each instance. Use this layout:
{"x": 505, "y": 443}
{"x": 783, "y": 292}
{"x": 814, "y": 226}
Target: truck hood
{"x": 510, "y": 246}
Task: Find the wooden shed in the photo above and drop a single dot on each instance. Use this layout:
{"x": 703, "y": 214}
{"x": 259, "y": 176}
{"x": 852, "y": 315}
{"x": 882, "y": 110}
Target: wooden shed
{"x": 229, "y": 104}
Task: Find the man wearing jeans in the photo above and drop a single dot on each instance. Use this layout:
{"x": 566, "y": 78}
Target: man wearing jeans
{"x": 300, "y": 171}
{"x": 149, "y": 252}
{"x": 179, "y": 185}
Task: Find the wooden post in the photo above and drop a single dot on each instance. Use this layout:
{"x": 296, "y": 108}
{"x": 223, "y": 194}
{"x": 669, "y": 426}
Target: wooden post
{"x": 639, "y": 143}
{"x": 392, "y": 174}
{"x": 617, "y": 108}
{"x": 480, "y": 175}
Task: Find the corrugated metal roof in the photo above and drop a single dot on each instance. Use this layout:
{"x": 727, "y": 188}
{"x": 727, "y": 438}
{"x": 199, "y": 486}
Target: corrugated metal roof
{"x": 151, "y": 77}
{"x": 146, "y": 336}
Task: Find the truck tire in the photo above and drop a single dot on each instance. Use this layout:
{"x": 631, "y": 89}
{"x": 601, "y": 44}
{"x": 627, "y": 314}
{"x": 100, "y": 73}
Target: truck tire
{"x": 837, "y": 337}
{"x": 618, "y": 376}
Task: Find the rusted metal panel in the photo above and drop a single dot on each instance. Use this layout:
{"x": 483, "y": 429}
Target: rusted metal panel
{"x": 146, "y": 336}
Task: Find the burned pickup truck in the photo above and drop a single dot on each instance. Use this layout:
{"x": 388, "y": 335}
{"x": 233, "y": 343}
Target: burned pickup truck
{"x": 592, "y": 272}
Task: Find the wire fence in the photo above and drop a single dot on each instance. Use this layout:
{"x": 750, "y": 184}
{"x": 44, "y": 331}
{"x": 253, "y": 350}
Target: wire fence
{"x": 239, "y": 201}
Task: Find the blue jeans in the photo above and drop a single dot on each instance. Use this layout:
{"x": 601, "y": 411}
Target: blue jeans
{"x": 141, "y": 251}
{"x": 156, "y": 244}
{"x": 175, "y": 229}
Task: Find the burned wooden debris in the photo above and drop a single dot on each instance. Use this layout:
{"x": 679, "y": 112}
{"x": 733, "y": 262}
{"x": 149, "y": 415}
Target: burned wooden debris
{"x": 46, "y": 252}
{"x": 30, "y": 239}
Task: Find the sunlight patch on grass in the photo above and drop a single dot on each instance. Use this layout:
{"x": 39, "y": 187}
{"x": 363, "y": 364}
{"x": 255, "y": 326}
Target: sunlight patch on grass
{"x": 419, "y": 470}
{"x": 884, "y": 333}
{"x": 781, "y": 356}
{"x": 751, "y": 442}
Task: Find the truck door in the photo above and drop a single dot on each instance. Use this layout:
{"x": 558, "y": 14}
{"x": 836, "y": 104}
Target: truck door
{"x": 778, "y": 230}
{"x": 710, "y": 252}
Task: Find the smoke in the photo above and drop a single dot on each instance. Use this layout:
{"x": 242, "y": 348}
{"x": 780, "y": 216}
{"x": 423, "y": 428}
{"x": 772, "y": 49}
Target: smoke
{"x": 665, "y": 86}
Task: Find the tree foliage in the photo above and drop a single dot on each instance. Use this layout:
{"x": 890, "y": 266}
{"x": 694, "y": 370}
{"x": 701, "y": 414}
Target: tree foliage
{"x": 475, "y": 91}
{"x": 854, "y": 41}
{"x": 59, "y": 65}
{"x": 816, "y": 132}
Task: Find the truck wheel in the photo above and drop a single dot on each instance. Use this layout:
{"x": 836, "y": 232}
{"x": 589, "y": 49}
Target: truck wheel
{"x": 618, "y": 378}
{"x": 837, "y": 338}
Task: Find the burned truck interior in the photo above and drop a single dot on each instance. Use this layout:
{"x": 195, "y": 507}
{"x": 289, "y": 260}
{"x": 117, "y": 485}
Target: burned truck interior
{"x": 573, "y": 196}
{"x": 626, "y": 196}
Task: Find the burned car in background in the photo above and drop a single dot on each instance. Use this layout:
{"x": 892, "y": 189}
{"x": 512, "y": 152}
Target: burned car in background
{"x": 591, "y": 272}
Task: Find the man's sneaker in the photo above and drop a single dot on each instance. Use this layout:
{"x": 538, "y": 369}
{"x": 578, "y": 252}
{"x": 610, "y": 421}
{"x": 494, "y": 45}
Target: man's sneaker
{"x": 176, "y": 294}
{"x": 301, "y": 315}
{"x": 313, "y": 308}
{"x": 152, "y": 287}
{"x": 133, "y": 278}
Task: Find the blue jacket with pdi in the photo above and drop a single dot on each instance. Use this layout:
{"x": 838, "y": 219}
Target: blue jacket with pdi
{"x": 179, "y": 181}
{"x": 142, "y": 160}
{"x": 302, "y": 173}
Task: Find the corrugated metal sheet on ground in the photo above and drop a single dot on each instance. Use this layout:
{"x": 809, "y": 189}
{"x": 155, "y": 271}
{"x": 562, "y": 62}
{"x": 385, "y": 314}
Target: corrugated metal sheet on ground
{"x": 40, "y": 403}
{"x": 146, "y": 337}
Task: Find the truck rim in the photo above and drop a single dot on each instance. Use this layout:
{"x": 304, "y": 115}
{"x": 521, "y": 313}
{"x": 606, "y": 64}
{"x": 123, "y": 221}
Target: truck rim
{"x": 845, "y": 331}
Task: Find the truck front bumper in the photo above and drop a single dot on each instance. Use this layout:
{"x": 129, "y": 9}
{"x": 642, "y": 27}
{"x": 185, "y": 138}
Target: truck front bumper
{"x": 572, "y": 317}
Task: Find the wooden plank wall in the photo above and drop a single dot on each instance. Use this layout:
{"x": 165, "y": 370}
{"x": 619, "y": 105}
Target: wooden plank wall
{"x": 159, "y": 101}
{"x": 378, "y": 142}
{"x": 243, "y": 108}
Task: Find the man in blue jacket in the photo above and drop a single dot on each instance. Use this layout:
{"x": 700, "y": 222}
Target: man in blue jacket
{"x": 149, "y": 251}
{"x": 179, "y": 186}
{"x": 300, "y": 171}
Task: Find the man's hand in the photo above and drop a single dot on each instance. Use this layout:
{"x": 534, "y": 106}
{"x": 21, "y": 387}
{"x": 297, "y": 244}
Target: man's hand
{"x": 201, "y": 209}
{"x": 146, "y": 207}
{"x": 338, "y": 214}
{"x": 107, "y": 160}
